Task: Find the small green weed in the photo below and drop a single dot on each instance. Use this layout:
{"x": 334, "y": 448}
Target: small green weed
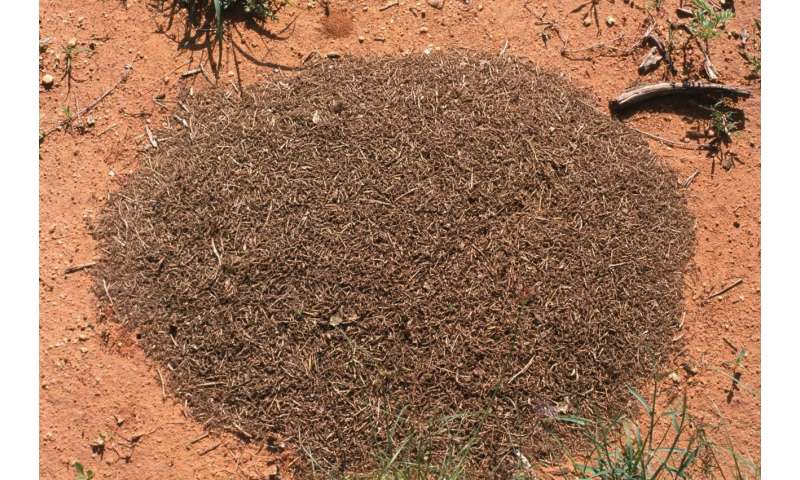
{"x": 81, "y": 473}
{"x": 753, "y": 61}
{"x": 723, "y": 120}
{"x": 708, "y": 22}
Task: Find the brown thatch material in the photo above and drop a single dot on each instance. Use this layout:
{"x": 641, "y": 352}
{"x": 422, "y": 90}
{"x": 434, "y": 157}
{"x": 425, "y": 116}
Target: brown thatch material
{"x": 372, "y": 247}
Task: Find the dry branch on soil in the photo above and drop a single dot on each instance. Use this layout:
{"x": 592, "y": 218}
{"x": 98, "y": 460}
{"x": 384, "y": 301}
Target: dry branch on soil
{"x": 371, "y": 247}
{"x": 643, "y": 93}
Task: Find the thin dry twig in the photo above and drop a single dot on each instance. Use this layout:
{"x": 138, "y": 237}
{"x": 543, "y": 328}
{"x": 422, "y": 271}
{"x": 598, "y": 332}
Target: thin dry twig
{"x": 671, "y": 143}
{"x": 210, "y": 449}
{"x": 79, "y": 267}
{"x": 725, "y": 290}
{"x": 197, "y": 439}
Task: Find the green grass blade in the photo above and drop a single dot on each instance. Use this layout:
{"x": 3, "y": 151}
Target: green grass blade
{"x": 218, "y": 16}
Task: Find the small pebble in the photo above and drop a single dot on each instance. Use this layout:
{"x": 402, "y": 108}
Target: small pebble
{"x": 47, "y": 81}
{"x": 423, "y": 30}
{"x": 675, "y": 378}
{"x": 72, "y": 43}
{"x": 611, "y": 21}
{"x": 691, "y": 369}
{"x": 361, "y": 39}
{"x": 587, "y": 22}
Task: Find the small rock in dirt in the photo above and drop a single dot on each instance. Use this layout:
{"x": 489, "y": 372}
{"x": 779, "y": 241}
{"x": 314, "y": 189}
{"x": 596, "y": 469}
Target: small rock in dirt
{"x": 47, "y": 81}
{"x": 315, "y": 118}
{"x": 361, "y": 39}
{"x": 684, "y": 12}
{"x": 676, "y": 379}
{"x": 611, "y": 21}
{"x": 379, "y": 38}
{"x": 72, "y": 43}
{"x": 83, "y": 337}
{"x": 423, "y": 30}
{"x": 691, "y": 368}
{"x": 334, "y": 54}
{"x": 587, "y": 22}
{"x": 650, "y": 61}
{"x": 437, "y": 4}
{"x": 84, "y": 350}
{"x": 727, "y": 162}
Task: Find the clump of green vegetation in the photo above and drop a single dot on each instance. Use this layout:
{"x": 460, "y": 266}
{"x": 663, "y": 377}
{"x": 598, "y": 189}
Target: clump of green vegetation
{"x": 723, "y": 120}
{"x": 261, "y": 9}
{"x": 81, "y": 473}
{"x": 670, "y": 444}
{"x": 70, "y": 50}
{"x": 67, "y": 113}
{"x": 708, "y": 22}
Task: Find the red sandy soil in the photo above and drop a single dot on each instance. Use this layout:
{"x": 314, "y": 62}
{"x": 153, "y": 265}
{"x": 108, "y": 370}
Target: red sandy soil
{"x": 94, "y": 378}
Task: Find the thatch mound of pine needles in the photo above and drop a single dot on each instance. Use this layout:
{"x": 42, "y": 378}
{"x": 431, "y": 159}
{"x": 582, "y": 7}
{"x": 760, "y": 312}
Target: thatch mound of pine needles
{"x": 440, "y": 247}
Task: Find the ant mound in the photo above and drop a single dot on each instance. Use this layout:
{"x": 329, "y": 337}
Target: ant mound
{"x": 395, "y": 258}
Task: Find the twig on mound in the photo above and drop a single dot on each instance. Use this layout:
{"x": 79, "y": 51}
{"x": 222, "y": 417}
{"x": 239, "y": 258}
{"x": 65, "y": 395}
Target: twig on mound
{"x": 150, "y": 137}
{"x": 646, "y": 92}
{"x": 88, "y": 108}
{"x": 523, "y": 370}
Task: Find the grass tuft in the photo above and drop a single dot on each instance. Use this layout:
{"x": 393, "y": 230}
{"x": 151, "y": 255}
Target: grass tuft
{"x": 669, "y": 444}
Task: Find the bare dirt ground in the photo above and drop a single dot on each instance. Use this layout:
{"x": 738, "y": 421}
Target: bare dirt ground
{"x": 94, "y": 378}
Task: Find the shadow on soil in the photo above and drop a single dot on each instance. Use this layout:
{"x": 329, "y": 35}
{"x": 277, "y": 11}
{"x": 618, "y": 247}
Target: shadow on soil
{"x": 192, "y": 27}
